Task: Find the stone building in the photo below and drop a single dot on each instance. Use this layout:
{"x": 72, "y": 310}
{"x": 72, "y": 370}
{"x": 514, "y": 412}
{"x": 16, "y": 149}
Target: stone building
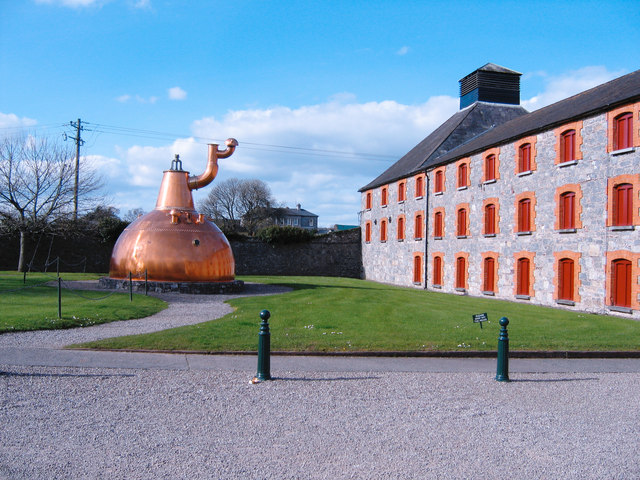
{"x": 540, "y": 207}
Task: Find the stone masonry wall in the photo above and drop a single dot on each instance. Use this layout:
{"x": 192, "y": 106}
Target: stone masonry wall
{"x": 333, "y": 255}
{"x": 593, "y": 245}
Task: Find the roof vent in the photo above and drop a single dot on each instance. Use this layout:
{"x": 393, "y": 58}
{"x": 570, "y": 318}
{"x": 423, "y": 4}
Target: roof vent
{"x": 491, "y": 83}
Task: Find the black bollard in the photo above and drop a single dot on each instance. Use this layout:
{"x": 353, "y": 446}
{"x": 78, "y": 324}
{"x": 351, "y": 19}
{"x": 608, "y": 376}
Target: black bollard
{"x": 502, "y": 374}
{"x": 59, "y": 298}
{"x": 130, "y": 288}
{"x": 264, "y": 349}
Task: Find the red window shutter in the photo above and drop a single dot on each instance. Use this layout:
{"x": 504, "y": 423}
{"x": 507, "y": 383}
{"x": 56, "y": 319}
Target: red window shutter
{"x": 489, "y": 274}
{"x": 383, "y": 231}
{"x": 439, "y": 181}
{"x": 623, "y": 131}
{"x": 368, "y": 202}
{"x": 490, "y": 219}
{"x": 460, "y": 267}
{"x": 565, "y": 279}
{"x": 567, "y": 210}
{"x": 524, "y": 158}
{"x": 523, "y": 277}
{"x": 621, "y": 283}
{"x": 462, "y": 223}
{"x": 384, "y": 199}
{"x": 400, "y": 228}
{"x": 567, "y": 146}
{"x": 623, "y": 204}
{"x": 438, "y": 224}
{"x": 490, "y": 168}
{"x": 367, "y": 232}
{"x": 419, "y": 187}
{"x": 401, "y": 192}
{"x": 417, "y": 269}
{"x": 462, "y": 175}
{"x": 524, "y": 215}
{"x": 437, "y": 270}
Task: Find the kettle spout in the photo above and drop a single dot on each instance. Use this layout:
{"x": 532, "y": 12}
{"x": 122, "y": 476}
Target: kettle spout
{"x": 199, "y": 181}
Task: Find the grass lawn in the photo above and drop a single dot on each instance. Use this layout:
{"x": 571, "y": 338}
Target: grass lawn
{"x": 34, "y": 306}
{"x": 341, "y": 315}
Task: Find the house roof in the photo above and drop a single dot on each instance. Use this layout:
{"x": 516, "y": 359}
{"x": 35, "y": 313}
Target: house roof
{"x": 296, "y": 212}
{"x": 462, "y": 127}
{"x": 485, "y": 125}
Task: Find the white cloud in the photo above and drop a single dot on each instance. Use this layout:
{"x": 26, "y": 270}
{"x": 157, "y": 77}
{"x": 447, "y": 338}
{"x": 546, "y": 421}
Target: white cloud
{"x": 567, "y": 84}
{"x": 123, "y": 98}
{"x": 403, "y": 51}
{"x": 176, "y": 93}
{"x": 11, "y": 121}
{"x": 343, "y": 146}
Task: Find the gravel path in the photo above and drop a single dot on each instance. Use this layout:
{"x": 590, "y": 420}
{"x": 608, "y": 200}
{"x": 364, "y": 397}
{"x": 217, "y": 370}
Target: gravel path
{"x": 111, "y": 423}
{"x": 183, "y": 310}
{"x": 58, "y": 423}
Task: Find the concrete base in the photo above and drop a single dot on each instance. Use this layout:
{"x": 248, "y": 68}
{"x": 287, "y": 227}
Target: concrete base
{"x": 207, "y": 288}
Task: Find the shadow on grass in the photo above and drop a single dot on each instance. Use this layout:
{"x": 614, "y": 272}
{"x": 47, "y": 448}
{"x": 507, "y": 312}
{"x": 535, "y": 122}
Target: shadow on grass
{"x": 18, "y": 374}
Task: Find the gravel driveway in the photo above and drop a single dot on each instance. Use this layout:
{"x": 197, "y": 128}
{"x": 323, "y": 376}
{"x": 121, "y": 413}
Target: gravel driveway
{"x": 101, "y": 423}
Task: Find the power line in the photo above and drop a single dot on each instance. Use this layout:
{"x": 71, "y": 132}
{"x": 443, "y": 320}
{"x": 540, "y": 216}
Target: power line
{"x": 134, "y": 132}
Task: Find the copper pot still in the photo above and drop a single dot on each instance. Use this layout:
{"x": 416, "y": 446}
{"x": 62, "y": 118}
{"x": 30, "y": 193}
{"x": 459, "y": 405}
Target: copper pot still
{"x": 174, "y": 243}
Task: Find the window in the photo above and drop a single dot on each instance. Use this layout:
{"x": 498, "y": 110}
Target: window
{"x": 460, "y": 273}
{"x": 401, "y": 227}
{"x": 565, "y": 279}
{"x": 490, "y": 168}
{"x": 417, "y": 269}
{"x": 383, "y": 230}
{"x": 489, "y": 272}
{"x": 402, "y": 191}
{"x": 461, "y": 227}
{"x": 438, "y": 224}
{"x": 368, "y": 201}
{"x": 439, "y": 182}
{"x": 621, "y": 283}
{"x": 623, "y": 205}
{"x": 567, "y": 211}
{"x": 524, "y": 215}
{"x": 418, "y": 226}
{"x": 384, "y": 197}
{"x": 367, "y": 232}
{"x": 437, "y": 270}
{"x": 568, "y": 146}
{"x": 522, "y": 277}
{"x": 490, "y": 219}
{"x": 463, "y": 172}
{"x": 419, "y": 186}
{"x": 524, "y": 158}
{"x": 623, "y": 131}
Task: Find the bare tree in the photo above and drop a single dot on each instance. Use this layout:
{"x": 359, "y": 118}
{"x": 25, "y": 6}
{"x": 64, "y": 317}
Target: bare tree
{"x": 236, "y": 200}
{"x": 133, "y": 214}
{"x": 36, "y": 184}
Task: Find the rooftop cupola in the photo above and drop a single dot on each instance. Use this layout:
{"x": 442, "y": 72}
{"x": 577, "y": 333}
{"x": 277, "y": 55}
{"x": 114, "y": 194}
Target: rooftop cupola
{"x": 490, "y": 83}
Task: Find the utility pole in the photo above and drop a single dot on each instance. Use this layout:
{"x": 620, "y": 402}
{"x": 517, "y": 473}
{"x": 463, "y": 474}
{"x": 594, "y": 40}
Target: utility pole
{"x": 79, "y": 142}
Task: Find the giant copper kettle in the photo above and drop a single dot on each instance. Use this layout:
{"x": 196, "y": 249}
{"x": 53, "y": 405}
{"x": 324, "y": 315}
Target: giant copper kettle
{"x": 173, "y": 243}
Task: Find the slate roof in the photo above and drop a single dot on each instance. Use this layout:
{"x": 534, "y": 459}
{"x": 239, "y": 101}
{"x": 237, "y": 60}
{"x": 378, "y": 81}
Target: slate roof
{"x": 296, "y": 212}
{"x": 462, "y": 127}
{"x": 484, "y": 125}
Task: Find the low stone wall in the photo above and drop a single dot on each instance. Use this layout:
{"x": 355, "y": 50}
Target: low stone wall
{"x": 333, "y": 255}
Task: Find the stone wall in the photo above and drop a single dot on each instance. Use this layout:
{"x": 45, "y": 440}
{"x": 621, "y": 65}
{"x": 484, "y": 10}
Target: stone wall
{"x": 593, "y": 245}
{"x": 333, "y": 255}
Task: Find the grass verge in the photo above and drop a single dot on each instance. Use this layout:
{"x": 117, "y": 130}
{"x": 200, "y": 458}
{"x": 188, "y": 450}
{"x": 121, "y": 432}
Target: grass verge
{"x": 342, "y": 315}
{"x": 34, "y": 306}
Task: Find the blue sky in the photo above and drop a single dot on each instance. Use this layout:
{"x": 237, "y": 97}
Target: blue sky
{"x": 322, "y": 96}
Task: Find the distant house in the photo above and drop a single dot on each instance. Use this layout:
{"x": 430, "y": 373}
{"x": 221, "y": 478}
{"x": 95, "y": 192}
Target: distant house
{"x": 296, "y": 217}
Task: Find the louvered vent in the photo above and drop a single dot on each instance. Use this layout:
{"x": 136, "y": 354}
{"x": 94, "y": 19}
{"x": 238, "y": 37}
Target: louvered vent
{"x": 490, "y": 83}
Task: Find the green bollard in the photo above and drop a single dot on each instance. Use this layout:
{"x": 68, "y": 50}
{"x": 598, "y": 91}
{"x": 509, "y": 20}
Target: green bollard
{"x": 502, "y": 374}
{"x": 264, "y": 349}
{"x": 59, "y": 298}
